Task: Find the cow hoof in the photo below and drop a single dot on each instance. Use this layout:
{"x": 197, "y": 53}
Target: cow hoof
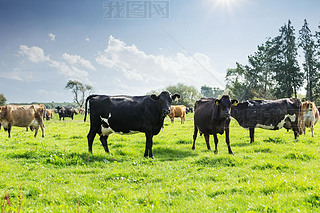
{"x": 216, "y": 152}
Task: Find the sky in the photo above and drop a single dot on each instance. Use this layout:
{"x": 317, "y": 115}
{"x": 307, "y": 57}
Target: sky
{"x": 133, "y": 47}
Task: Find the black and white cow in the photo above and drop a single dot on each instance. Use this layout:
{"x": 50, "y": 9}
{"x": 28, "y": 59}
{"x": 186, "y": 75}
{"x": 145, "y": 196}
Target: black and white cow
{"x": 127, "y": 114}
{"x": 268, "y": 114}
{"x": 212, "y": 117}
{"x": 65, "y": 112}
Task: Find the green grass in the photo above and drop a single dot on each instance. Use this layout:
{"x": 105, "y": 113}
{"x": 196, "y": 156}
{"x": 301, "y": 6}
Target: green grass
{"x": 56, "y": 174}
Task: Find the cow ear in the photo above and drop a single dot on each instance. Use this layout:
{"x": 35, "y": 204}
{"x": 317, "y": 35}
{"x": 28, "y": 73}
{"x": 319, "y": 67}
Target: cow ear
{"x": 175, "y": 97}
{"x": 234, "y": 102}
{"x": 154, "y": 97}
{"x": 217, "y": 102}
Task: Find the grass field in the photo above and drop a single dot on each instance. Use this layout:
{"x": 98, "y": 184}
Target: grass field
{"x": 57, "y": 174}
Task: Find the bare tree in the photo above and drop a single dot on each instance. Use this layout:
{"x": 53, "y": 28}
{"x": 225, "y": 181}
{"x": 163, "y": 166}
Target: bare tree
{"x": 79, "y": 90}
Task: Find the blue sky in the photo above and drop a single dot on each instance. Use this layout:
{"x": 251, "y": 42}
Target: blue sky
{"x": 46, "y": 43}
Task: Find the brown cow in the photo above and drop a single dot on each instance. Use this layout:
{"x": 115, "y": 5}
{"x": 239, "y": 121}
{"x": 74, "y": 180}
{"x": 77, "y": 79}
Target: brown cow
{"x": 22, "y": 116}
{"x": 50, "y": 113}
{"x": 309, "y": 116}
{"x": 178, "y": 112}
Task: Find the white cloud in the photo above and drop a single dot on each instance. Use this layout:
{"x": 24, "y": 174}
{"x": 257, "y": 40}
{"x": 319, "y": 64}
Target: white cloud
{"x": 136, "y": 65}
{"x": 34, "y": 53}
{"x": 78, "y": 60}
{"x": 17, "y": 74}
{"x": 70, "y": 71}
{"x": 52, "y": 37}
{"x": 87, "y": 39}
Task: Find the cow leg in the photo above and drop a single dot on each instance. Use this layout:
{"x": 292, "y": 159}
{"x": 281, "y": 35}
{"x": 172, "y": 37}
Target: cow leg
{"x": 149, "y": 143}
{"x": 9, "y": 130}
{"x": 90, "y": 136}
{"x": 251, "y": 130}
{"x": 104, "y": 141}
{"x": 312, "y": 128}
{"x": 207, "y": 138}
{"x": 215, "y": 137}
{"x": 36, "y": 128}
{"x": 228, "y": 140}
{"x": 194, "y": 137}
{"x": 42, "y": 129}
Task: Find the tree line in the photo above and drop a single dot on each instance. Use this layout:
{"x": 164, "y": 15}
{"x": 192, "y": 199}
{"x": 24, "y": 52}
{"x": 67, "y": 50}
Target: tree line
{"x": 273, "y": 71}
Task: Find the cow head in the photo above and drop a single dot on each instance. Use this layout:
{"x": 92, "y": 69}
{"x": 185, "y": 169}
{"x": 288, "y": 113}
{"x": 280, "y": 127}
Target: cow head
{"x": 225, "y": 104}
{"x": 58, "y": 108}
{"x": 165, "y": 100}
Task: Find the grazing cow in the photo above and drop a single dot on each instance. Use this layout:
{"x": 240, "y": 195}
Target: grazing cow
{"x": 268, "y": 114}
{"x": 50, "y": 113}
{"x": 81, "y": 111}
{"x": 212, "y": 116}
{"x": 65, "y": 112}
{"x": 178, "y": 111}
{"x": 127, "y": 114}
{"x": 309, "y": 116}
{"x": 22, "y": 116}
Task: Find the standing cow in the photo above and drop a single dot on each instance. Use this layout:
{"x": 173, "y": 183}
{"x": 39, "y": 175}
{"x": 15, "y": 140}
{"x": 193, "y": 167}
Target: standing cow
{"x": 212, "y": 116}
{"x": 65, "y": 112}
{"x": 178, "y": 111}
{"x": 268, "y": 114}
{"x": 22, "y": 116}
{"x": 309, "y": 116}
{"x": 127, "y": 114}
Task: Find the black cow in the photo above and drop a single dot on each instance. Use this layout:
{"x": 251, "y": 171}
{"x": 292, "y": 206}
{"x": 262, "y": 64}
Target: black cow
{"x": 65, "y": 112}
{"x": 189, "y": 109}
{"x": 212, "y": 116}
{"x": 268, "y": 114}
{"x": 127, "y": 114}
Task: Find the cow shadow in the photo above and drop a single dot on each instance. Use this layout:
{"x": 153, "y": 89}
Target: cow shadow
{"x": 170, "y": 154}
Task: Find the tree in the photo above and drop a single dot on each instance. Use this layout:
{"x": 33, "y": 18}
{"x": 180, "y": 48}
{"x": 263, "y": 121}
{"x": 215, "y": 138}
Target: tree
{"x": 307, "y": 43}
{"x": 209, "y": 92}
{"x": 189, "y": 94}
{"x": 288, "y": 76}
{"x": 2, "y": 100}
{"x": 206, "y": 91}
{"x": 79, "y": 90}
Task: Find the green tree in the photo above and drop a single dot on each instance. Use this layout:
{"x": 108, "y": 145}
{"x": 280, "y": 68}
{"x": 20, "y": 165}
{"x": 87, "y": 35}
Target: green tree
{"x": 288, "y": 76}
{"x": 79, "y": 90}
{"x": 307, "y": 43}
{"x": 206, "y": 91}
{"x": 189, "y": 94}
{"x": 2, "y": 100}
{"x": 209, "y": 92}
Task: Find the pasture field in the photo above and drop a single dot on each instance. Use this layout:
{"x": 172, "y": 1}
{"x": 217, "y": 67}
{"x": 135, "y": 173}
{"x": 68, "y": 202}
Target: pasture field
{"x": 57, "y": 174}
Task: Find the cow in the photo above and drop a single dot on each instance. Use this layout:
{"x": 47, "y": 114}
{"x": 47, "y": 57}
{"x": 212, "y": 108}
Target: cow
{"x": 50, "y": 113}
{"x": 268, "y": 114}
{"x": 309, "y": 116}
{"x": 127, "y": 115}
{"x": 212, "y": 116}
{"x": 189, "y": 109}
{"x": 65, "y": 112}
{"x": 22, "y": 116}
{"x": 178, "y": 111}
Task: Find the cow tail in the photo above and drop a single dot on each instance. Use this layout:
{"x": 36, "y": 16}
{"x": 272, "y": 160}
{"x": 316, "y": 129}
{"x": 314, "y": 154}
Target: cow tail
{"x": 85, "y": 106}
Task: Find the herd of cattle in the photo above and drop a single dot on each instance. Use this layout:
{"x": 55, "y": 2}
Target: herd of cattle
{"x": 132, "y": 114}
